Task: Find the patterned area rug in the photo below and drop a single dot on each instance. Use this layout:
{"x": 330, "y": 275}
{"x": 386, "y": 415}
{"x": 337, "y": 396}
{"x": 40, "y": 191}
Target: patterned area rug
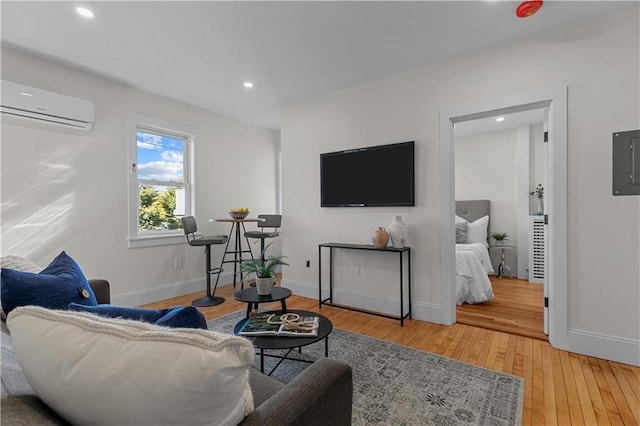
{"x": 397, "y": 385}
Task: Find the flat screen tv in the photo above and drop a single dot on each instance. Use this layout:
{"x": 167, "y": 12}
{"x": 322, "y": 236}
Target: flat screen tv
{"x": 373, "y": 176}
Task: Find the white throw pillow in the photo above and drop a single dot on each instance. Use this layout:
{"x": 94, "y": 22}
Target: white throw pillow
{"x": 104, "y": 371}
{"x": 477, "y": 231}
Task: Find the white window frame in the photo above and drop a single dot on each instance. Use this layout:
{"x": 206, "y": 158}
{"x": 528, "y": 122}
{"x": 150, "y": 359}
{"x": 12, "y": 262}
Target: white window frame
{"x": 137, "y": 122}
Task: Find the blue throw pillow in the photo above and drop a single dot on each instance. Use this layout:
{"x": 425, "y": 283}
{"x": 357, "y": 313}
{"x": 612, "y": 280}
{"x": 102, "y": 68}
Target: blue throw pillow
{"x": 177, "y": 317}
{"x": 57, "y": 285}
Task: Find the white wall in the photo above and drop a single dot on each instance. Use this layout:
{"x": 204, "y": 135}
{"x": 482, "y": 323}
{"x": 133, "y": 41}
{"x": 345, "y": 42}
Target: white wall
{"x": 599, "y": 62}
{"x": 486, "y": 169}
{"x": 63, "y": 191}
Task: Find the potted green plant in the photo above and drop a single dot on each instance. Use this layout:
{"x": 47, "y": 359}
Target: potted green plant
{"x": 500, "y": 238}
{"x": 264, "y": 267}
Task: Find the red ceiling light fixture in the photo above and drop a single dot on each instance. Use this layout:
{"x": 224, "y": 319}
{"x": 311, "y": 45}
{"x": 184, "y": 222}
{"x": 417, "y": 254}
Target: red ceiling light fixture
{"x": 528, "y": 8}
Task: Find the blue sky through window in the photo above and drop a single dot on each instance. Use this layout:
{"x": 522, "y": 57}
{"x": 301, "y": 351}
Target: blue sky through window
{"x": 160, "y": 157}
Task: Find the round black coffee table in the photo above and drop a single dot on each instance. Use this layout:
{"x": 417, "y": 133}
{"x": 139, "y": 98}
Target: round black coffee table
{"x": 251, "y": 297}
{"x": 274, "y": 342}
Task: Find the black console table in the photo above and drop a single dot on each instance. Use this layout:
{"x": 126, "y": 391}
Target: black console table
{"x": 329, "y": 300}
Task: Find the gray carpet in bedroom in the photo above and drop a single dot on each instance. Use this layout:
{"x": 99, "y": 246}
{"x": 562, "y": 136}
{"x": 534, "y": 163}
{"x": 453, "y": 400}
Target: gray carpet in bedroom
{"x": 397, "y": 385}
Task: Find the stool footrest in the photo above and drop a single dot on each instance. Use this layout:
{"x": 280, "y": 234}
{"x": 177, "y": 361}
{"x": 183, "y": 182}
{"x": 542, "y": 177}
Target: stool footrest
{"x": 216, "y": 270}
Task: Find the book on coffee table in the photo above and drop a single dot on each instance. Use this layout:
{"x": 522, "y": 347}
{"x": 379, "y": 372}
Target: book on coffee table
{"x": 289, "y": 325}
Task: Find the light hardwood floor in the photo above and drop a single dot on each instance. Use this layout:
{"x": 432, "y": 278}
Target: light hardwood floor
{"x": 561, "y": 388}
{"x": 517, "y": 308}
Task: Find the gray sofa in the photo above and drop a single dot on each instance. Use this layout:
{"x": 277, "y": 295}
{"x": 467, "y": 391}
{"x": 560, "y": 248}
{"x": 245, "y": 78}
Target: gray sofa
{"x": 321, "y": 394}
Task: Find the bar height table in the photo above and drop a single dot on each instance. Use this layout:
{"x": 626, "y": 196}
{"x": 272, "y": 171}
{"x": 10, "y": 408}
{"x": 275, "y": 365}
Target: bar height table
{"x": 237, "y": 231}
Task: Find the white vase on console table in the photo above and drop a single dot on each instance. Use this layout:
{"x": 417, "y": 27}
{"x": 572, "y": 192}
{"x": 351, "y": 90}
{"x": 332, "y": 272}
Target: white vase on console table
{"x": 398, "y": 232}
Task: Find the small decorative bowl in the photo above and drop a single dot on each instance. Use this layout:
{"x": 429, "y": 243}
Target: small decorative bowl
{"x": 238, "y": 215}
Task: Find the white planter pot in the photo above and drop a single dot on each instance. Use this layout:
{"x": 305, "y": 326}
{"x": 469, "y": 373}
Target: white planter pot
{"x": 264, "y": 285}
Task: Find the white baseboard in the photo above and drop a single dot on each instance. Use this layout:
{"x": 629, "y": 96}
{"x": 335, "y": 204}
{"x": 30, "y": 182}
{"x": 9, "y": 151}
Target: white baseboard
{"x": 419, "y": 310}
{"x": 167, "y": 291}
{"x": 626, "y": 351}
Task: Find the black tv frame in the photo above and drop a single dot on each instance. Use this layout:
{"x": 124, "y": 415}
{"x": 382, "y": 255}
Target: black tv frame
{"x": 408, "y": 201}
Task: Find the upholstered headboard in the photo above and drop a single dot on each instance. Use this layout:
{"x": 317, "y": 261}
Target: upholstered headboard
{"x": 472, "y": 210}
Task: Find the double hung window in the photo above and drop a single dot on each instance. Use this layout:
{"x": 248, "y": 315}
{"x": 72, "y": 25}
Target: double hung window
{"x": 160, "y": 181}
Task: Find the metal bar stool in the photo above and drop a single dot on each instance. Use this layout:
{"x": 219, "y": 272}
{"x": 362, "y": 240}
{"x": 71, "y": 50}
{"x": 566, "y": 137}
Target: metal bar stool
{"x": 189, "y": 226}
{"x": 270, "y": 221}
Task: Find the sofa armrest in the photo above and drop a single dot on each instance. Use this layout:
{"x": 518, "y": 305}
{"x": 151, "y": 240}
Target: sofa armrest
{"x": 321, "y": 395}
{"x": 102, "y": 291}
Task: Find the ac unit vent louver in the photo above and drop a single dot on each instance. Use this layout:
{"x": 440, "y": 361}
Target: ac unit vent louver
{"x": 31, "y": 103}
{"x": 537, "y": 236}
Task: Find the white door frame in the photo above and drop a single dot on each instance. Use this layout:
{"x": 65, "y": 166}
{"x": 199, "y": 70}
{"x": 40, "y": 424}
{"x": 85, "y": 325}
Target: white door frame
{"x": 555, "y": 195}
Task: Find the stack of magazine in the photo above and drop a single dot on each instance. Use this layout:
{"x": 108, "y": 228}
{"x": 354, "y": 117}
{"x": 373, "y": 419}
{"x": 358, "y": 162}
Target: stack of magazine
{"x": 273, "y": 325}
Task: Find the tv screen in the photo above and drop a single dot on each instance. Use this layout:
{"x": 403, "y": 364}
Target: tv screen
{"x": 368, "y": 177}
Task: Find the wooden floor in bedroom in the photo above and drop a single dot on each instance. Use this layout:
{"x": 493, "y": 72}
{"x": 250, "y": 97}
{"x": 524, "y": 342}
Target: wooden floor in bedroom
{"x": 517, "y": 308}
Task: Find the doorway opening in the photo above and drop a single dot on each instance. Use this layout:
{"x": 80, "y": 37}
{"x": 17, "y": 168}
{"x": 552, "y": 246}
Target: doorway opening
{"x": 501, "y": 159}
{"x": 555, "y": 101}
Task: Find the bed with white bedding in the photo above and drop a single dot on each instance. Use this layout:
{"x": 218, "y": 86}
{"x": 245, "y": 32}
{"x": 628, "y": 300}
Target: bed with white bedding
{"x": 473, "y": 264}
{"x": 472, "y": 268}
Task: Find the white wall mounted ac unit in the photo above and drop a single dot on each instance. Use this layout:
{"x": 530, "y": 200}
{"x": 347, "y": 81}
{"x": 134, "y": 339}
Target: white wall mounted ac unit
{"x": 40, "y": 105}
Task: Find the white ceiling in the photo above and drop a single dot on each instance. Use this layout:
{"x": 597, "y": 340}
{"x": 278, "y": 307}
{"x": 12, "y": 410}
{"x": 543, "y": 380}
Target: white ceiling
{"x": 201, "y": 52}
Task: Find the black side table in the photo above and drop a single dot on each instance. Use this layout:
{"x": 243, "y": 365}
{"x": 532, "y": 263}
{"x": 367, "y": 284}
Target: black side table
{"x": 251, "y": 297}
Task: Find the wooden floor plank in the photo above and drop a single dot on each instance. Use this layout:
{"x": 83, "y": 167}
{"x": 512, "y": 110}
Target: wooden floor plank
{"x": 501, "y": 352}
{"x": 529, "y": 373}
{"x": 571, "y": 390}
{"x": 623, "y": 409}
{"x": 586, "y": 406}
{"x": 517, "y": 308}
{"x": 631, "y": 389}
{"x": 559, "y": 389}
{"x": 538, "y": 386}
{"x": 481, "y": 341}
{"x": 607, "y": 396}
{"x": 550, "y": 402}
{"x": 558, "y": 386}
{"x": 595, "y": 392}
{"x": 467, "y": 340}
{"x": 484, "y": 351}
{"x": 509, "y": 357}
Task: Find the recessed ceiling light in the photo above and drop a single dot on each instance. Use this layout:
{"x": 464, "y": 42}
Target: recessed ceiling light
{"x": 83, "y": 11}
{"x": 500, "y": 119}
{"x": 25, "y": 94}
{"x": 248, "y": 84}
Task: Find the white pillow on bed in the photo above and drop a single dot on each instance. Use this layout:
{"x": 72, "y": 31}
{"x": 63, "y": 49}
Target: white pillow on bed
{"x": 477, "y": 230}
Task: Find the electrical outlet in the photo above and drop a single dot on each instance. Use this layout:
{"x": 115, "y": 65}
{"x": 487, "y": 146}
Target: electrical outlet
{"x": 355, "y": 270}
{"x": 177, "y": 262}
{"x": 308, "y": 264}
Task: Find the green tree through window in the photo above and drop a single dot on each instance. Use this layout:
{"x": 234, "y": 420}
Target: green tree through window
{"x": 156, "y": 210}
